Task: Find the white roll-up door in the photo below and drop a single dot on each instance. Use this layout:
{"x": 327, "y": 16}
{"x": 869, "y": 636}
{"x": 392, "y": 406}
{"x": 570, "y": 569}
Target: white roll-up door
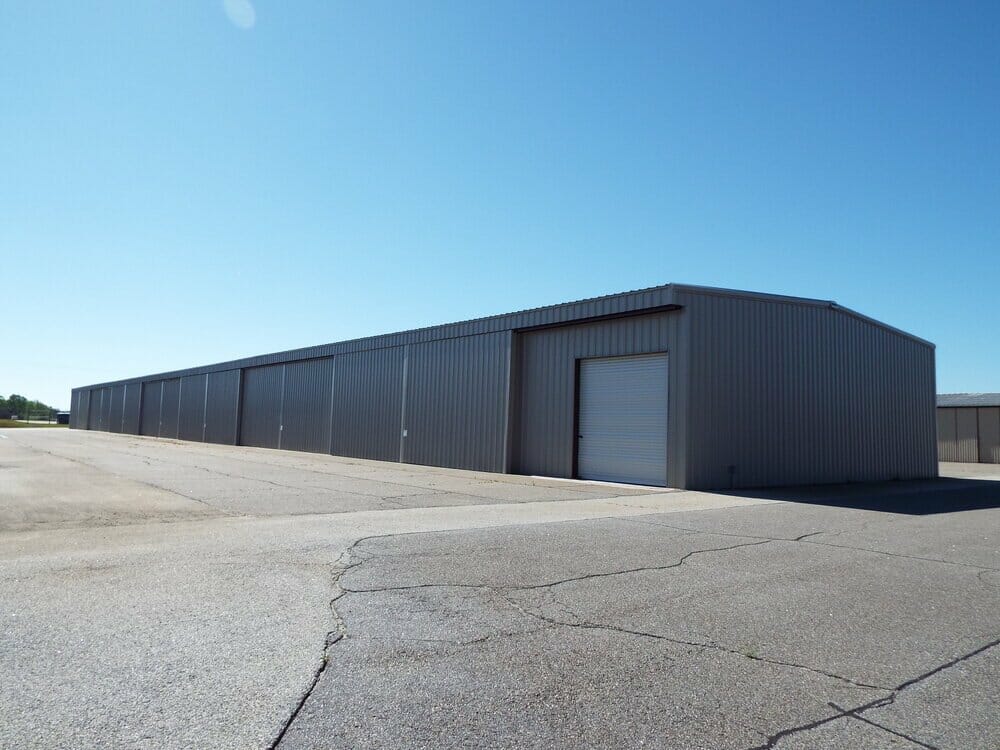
{"x": 622, "y": 424}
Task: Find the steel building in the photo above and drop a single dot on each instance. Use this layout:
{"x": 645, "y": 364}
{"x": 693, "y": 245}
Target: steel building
{"x": 969, "y": 427}
{"x": 674, "y": 385}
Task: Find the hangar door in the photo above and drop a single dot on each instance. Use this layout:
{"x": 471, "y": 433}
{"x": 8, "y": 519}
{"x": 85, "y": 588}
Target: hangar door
{"x": 622, "y": 419}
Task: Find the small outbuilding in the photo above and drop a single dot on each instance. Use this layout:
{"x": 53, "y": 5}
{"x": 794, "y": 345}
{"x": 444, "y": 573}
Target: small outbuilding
{"x": 969, "y": 427}
{"x": 675, "y": 385}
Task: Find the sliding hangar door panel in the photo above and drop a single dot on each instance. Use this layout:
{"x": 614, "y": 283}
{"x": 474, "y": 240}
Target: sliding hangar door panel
{"x": 170, "y": 408}
{"x": 456, "y": 402}
{"x": 622, "y": 419}
{"x": 117, "y": 409}
{"x": 222, "y": 407}
{"x": 260, "y": 422}
{"x": 191, "y": 414}
{"x": 130, "y": 420}
{"x": 288, "y": 406}
{"x": 367, "y": 404}
{"x": 305, "y": 408}
{"x": 152, "y": 393}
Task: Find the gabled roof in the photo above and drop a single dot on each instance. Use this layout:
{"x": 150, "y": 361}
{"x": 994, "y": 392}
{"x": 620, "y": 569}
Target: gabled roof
{"x": 651, "y": 299}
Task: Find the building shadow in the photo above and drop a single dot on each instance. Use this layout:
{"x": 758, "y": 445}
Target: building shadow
{"x": 919, "y": 497}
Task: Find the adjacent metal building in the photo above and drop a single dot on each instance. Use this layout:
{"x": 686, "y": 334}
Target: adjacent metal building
{"x": 675, "y": 385}
{"x": 969, "y": 427}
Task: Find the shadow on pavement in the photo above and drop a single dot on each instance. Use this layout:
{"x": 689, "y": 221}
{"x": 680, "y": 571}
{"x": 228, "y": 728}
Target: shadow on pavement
{"x": 913, "y": 497}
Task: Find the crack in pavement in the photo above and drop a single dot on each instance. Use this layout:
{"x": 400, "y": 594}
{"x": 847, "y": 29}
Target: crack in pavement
{"x": 333, "y": 636}
{"x": 339, "y": 632}
{"x": 506, "y": 591}
{"x": 560, "y": 582}
{"x": 884, "y": 728}
{"x": 856, "y": 712}
{"x": 804, "y": 540}
{"x": 704, "y": 645}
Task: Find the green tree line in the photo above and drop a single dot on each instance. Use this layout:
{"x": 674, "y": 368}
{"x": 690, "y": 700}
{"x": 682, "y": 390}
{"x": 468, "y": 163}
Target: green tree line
{"x": 24, "y": 408}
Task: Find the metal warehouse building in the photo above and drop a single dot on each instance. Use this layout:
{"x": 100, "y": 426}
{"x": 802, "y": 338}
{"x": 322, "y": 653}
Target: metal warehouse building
{"x": 675, "y": 385}
{"x": 969, "y": 427}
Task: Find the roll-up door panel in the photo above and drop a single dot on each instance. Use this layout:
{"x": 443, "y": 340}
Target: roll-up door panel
{"x": 622, "y": 419}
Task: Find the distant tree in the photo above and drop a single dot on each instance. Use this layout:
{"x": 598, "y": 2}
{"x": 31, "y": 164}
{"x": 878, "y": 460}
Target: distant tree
{"x": 17, "y": 404}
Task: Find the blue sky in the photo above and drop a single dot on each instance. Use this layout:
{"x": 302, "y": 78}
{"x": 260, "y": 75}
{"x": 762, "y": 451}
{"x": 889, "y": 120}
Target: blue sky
{"x": 180, "y": 185}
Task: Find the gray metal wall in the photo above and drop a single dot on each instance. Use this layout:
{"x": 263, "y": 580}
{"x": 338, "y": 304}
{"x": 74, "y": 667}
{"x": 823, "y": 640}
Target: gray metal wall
{"x": 547, "y": 382}
{"x": 763, "y": 390}
{"x": 222, "y": 410}
{"x": 787, "y": 393}
{"x": 969, "y": 434}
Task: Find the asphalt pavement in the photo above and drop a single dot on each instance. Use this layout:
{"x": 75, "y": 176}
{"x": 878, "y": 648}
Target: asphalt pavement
{"x": 160, "y": 594}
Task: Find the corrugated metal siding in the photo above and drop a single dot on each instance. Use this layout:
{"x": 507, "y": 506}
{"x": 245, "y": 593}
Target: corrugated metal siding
{"x": 305, "y": 415}
{"x": 74, "y": 409}
{"x": 83, "y": 420}
{"x": 95, "y": 418}
{"x": 106, "y": 402}
{"x": 626, "y": 302}
{"x": 367, "y": 403}
{"x": 763, "y": 390}
{"x": 117, "y": 409}
{"x": 786, "y": 394}
{"x": 191, "y": 421}
{"x": 223, "y": 407}
{"x": 989, "y": 435}
{"x": 169, "y": 409}
{"x": 456, "y": 403}
{"x": 151, "y": 396}
{"x": 947, "y": 435}
{"x": 130, "y": 420}
{"x": 547, "y": 382}
{"x": 967, "y": 435}
{"x": 260, "y": 420}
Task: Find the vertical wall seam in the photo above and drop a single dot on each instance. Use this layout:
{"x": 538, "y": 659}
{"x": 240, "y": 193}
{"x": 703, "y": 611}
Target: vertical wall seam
{"x": 402, "y": 407}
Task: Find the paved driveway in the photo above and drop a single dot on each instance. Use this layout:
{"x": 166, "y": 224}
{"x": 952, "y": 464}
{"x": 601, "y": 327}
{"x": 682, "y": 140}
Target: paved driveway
{"x": 161, "y": 594}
